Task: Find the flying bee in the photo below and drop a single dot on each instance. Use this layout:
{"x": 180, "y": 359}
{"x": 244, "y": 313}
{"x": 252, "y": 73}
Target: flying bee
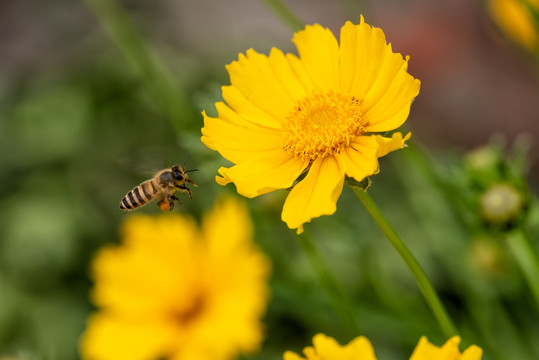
{"x": 161, "y": 187}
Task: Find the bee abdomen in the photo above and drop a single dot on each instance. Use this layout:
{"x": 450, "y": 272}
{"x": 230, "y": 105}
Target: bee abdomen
{"x": 139, "y": 196}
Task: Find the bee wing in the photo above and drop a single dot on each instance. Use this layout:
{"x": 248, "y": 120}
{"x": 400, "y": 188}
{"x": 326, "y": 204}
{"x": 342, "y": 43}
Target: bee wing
{"x": 145, "y": 161}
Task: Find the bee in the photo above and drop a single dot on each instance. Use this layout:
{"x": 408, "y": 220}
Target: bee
{"x": 161, "y": 187}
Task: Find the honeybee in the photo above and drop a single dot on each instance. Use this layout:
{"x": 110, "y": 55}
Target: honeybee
{"x": 161, "y": 187}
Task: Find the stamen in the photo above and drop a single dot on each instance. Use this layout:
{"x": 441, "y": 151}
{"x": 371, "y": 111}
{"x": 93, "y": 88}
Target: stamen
{"x": 321, "y": 124}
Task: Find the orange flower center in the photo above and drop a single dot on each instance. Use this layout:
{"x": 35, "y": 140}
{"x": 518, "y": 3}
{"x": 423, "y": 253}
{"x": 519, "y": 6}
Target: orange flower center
{"x": 186, "y": 316}
{"x": 320, "y": 124}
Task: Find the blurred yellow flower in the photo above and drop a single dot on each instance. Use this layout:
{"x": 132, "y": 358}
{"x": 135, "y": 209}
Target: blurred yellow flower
{"x": 514, "y": 18}
{"x": 449, "y": 351}
{"x": 316, "y": 114}
{"x": 172, "y": 291}
{"x": 327, "y": 348}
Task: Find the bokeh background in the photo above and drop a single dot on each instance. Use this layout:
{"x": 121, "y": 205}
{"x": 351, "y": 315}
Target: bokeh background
{"x": 80, "y": 126}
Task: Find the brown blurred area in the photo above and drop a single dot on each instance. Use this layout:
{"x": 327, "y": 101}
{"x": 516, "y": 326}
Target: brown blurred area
{"x": 474, "y": 82}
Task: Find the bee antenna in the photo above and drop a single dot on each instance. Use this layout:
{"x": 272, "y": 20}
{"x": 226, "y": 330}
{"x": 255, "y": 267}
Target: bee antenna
{"x": 186, "y": 160}
{"x": 190, "y": 170}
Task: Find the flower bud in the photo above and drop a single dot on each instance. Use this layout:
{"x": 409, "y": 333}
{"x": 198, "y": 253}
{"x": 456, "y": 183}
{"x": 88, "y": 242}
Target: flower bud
{"x": 500, "y": 204}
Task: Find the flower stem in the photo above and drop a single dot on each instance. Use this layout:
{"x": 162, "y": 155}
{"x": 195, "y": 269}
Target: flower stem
{"x": 286, "y": 15}
{"x": 147, "y": 67}
{"x": 426, "y": 287}
{"x": 527, "y": 260}
{"x": 331, "y": 286}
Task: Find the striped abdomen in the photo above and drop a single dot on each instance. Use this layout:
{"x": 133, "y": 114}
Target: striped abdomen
{"x": 139, "y": 196}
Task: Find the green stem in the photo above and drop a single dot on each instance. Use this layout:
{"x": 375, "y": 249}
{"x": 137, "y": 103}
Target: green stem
{"x": 426, "y": 287}
{"x": 527, "y": 260}
{"x": 147, "y": 67}
{"x": 331, "y": 286}
{"x": 286, "y": 15}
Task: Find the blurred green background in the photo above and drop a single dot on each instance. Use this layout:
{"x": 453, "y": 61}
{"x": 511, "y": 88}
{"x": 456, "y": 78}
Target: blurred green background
{"x": 81, "y": 123}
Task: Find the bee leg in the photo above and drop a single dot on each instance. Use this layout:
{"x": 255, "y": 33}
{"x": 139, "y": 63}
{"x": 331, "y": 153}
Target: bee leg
{"x": 184, "y": 189}
{"x": 172, "y": 198}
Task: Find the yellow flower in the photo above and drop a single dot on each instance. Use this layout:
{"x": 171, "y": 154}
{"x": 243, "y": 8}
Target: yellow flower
{"x": 449, "y": 351}
{"x": 515, "y": 19}
{"x": 172, "y": 291}
{"x": 316, "y": 114}
{"x": 326, "y": 348}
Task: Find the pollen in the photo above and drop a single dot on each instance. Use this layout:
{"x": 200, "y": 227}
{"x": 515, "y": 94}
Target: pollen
{"x": 164, "y": 206}
{"x": 321, "y": 124}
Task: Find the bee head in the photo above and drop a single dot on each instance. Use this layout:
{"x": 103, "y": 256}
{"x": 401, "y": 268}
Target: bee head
{"x": 178, "y": 172}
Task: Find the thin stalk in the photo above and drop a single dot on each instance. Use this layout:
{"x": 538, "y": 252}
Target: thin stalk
{"x": 339, "y": 301}
{"x": 147, "y": 67}
{"x": 425, "y": 286}
{"x": 286, "y": 15}
{"x": 527, "y": 260}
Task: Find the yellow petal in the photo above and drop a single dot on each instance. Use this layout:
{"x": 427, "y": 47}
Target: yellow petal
{"x": 375, "y": 75}
{"x": 450, "y": 351}
{"x": 287, "y": 75}
{"x": 246, "y": 109}
{"x": 260, "y": 175}
{"x": 390, "y": 110}
{"x": 236, "y": 139}
{"x": 387, "y": 145}
{"x": 360, "y": 348}
{"x": 109, "y": 338}
{"x": 230, "y": 220}
{"x": 315, "y": 195}
{"x": 229, "y": 231}
{"x": 391, "y": 65}
{"x": 348, "y": 56}
{"x": 327, "y": 347}
{"x": 301, "y": 72}
{"x": 424, "y": 350}
{"x": 370, "y": 52}
{"x": 516, "y": 20}
{"x": 319, "y": 52}
{"x": 122, "y": 272}
{"x": 361, "y": 158}
{"x": 472, "y": 353}
{"x": 253, "y": 75}
{"x": 311, "y": 353}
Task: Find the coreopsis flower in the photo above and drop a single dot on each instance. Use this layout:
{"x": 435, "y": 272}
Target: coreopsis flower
{"x": 515, "y": 19}
{"x": 327, "y": 348}
{"x": 308, "y": 121}
{"x": 171, "y": 291}
{"x": 449, "y": 351}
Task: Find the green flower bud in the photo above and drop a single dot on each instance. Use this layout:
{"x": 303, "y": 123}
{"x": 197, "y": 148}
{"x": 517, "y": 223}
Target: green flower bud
{"x": 500, "y": 204}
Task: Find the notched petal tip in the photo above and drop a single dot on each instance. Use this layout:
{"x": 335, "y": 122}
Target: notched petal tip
{"x": 223, "y": 179}
{"x": 387, "y": 145}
